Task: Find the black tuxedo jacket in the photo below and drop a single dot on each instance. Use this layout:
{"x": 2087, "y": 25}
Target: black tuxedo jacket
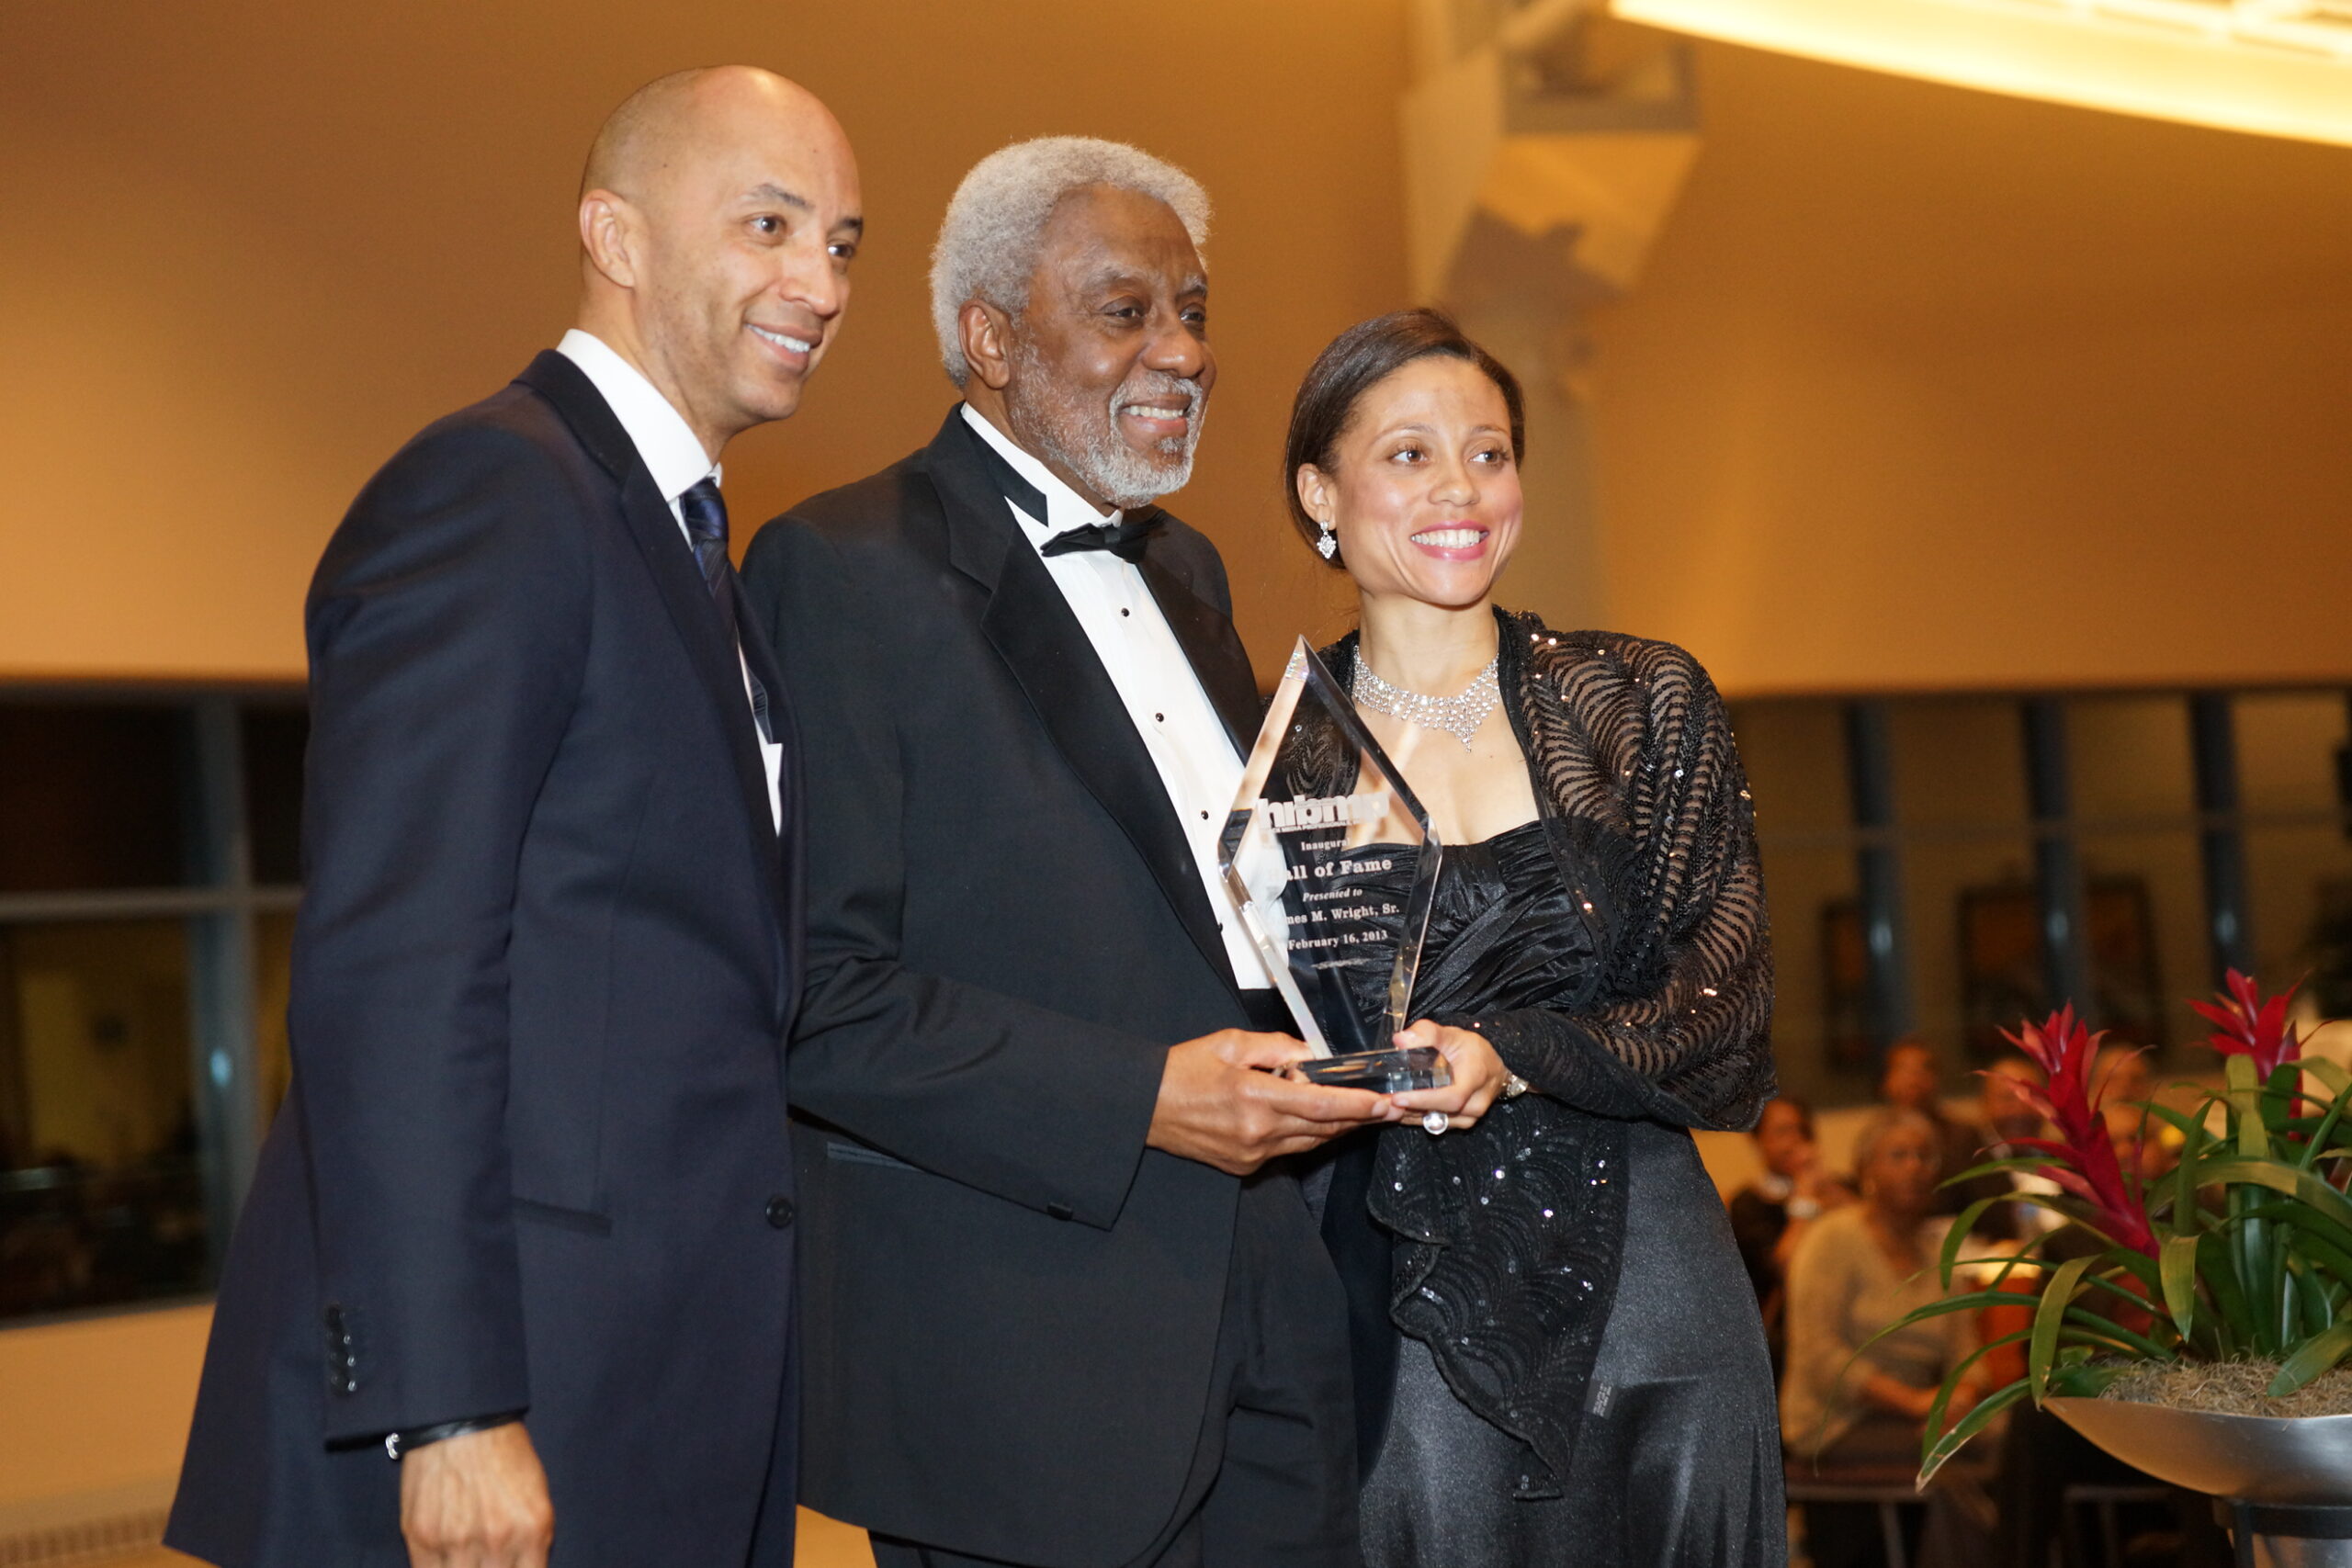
{"x": 1010, "y": 1306}
{"x": 534, "y": 1158}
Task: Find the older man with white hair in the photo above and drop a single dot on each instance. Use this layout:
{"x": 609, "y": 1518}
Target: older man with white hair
{"x": 1064, "y": 1305}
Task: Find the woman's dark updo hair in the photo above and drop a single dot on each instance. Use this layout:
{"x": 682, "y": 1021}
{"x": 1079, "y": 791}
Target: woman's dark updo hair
{"x": 1361, "y": 358}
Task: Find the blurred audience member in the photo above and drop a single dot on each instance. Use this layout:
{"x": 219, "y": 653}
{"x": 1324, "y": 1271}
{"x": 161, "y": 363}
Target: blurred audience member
{"x": 1861, "y": 1411}
{"x": 1914, "y": 1080}
{"x": 1770, "y": 1215}
{"x": 2007, "y": 1105}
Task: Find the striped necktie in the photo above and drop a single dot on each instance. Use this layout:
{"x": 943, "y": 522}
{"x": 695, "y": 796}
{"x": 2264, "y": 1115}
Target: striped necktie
{"x": 703, "y": 511}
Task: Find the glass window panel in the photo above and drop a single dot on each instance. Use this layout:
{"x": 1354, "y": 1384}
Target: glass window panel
{"x": 273, "y": 983}
{"x": 1957, "y": 761}
{"x": 2131, "y": 758}
{"x": 2144, "y": 908}
{"x": 274, "y": 738}
{"x": 1976, "y": 933}
{"x": 92, "y": 796}
{"x": 2287, "y": 746}
{"x": 1794, "y": 751}
{"x": 1817, "y": 1018}
{"x": 101, "y": 1200}
{"x": 2299, "y": 886}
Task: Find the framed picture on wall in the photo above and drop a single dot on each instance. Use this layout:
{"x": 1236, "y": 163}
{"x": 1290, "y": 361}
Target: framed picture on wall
{"x": 2002, "y": 978}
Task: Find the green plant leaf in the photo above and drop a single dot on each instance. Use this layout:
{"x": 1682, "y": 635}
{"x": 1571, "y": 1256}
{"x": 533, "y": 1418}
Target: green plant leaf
{"x": 2336, "y": 1079}
{"x": 2314, "y": 1357}
{"x": 2138, "y": 1344}
{"x": 2281, "y": 1092}
{"x": 2025, "y": 1259}
{"x": 2085, "y": 1380}
{"x": 2134, "y": 1262}
{"x": 1935, "y": 1423}
{"x": 1993, "y": 1167}
{"x": 1968, "y": 1427}
{"x": 2178, "y": 1266}
{"x": 2056, "y": 1296}
{"x": 2327, "y": 1128}
{"x": 2324, "y": 1242}
{"x": 2245, "y": 1108}
{"x": 2304, "y": 1186}
{"x": 2217, "y": 1265}
{"x": 1956, "y": 1236}
{"x": 2190, "y": 1124}
{"x": 2311, "y": 1289}
{"x": 1967, "y": 1300}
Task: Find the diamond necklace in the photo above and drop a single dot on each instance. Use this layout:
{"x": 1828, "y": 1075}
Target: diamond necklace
{"x": 1458, "y": 716}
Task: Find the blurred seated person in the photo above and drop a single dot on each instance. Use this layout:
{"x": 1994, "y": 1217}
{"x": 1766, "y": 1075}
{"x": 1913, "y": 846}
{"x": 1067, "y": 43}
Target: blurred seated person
{"x": 1858, "y": 1417}
{"x": 2007, "y": 1105}
{"x": 1913, "y": 1079}
{"x": 1770, "y": 1215}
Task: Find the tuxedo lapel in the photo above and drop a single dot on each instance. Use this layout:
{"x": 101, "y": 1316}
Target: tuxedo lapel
{"x": 1033, "y": 630}
{"x": 1212, "y": 646}
{"x": 655, "y": 532}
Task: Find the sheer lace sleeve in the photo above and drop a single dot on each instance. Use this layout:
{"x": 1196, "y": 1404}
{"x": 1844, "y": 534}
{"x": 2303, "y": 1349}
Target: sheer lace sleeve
{"x": 1629, "y": 737}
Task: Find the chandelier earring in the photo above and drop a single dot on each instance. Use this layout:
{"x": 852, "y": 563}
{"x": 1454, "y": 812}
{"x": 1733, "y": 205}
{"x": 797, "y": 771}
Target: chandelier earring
{"x": 1327, "y": 544}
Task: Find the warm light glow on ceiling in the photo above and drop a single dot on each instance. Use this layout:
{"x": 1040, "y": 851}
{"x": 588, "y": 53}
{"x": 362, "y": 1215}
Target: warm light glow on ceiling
{"x": 2273, "y": 67}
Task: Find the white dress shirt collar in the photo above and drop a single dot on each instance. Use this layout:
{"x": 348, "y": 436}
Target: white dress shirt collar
{"x": 1065, "y": 508}
{"x": 673, "y": 456}
{"x": 673, "y": 453}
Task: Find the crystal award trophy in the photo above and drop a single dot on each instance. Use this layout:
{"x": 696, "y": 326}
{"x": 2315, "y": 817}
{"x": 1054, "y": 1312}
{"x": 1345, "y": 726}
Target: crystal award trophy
{"x": 1331, "y": 864}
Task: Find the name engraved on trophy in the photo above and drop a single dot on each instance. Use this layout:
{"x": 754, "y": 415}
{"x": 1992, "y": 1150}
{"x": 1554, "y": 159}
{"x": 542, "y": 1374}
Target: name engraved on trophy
{"x": 1326, "y": 811}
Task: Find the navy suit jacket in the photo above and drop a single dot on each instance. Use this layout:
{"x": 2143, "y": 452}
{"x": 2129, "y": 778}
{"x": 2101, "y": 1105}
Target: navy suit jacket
{"x": 534, "y": 1157}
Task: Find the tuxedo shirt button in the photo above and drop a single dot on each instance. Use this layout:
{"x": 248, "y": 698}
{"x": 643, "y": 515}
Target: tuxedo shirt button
{"x": 780, "y": 1210}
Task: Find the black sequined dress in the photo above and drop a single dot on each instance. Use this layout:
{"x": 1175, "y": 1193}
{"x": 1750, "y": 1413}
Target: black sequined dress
{"x": 1574, "y": 1367}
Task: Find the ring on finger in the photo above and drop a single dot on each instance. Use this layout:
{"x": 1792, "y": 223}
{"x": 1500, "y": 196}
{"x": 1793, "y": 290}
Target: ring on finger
{"x": 1435, "y": 1121}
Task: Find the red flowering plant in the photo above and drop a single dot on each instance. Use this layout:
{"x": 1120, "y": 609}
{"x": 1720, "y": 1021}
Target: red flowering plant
{"x": 2245, "y": 1025}
{"x": 2243, "y": 1251}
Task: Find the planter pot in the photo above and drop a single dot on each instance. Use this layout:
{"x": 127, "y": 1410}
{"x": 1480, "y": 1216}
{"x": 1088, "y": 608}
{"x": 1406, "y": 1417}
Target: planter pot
{"x": 2285, "y": 1484}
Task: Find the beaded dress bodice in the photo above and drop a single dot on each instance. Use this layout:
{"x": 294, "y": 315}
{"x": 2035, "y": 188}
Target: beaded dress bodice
{"x": 1509, "y": 1231}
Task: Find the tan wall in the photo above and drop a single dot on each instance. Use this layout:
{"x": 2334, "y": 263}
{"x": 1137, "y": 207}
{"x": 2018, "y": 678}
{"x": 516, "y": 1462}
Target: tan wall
{"x": 1928, "y": 386}
{"x": 249, "y": 249}
{"x": 1924, "y": 386}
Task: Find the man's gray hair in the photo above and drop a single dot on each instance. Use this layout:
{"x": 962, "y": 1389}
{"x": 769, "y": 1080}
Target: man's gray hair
{"x": 987, "y": 242}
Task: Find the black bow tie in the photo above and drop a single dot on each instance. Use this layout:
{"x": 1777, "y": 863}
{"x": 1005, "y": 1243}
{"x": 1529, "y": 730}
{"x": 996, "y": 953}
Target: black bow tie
{"x": 1125, "y": 539}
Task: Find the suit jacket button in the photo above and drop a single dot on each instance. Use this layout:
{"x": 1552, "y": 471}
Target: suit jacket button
{"x": 780, "y": 1210}
{"x": 1060, "y": 1211}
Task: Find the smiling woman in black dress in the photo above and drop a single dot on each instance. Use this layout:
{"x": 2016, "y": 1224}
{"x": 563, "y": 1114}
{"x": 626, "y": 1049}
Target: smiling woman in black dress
{"x": 1560, "y": 1360}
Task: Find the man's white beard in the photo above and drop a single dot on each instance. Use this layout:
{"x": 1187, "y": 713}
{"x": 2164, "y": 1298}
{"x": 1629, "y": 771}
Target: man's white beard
{"x": 1087, "y": 443}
